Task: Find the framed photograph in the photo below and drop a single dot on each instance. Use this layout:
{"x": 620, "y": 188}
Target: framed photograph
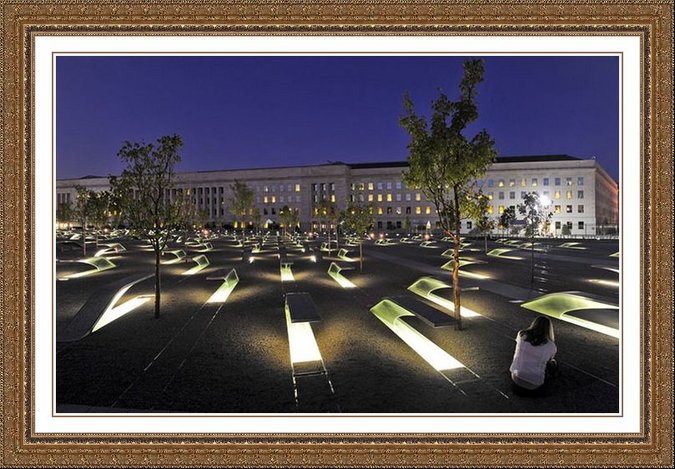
{"x": 337, "y": 234}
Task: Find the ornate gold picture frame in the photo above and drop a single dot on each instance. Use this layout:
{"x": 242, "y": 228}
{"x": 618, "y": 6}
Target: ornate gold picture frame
{"x": 24, "y": 21}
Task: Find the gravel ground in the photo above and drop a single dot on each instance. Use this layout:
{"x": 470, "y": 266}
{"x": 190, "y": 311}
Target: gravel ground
{"x": 234, "y": 357}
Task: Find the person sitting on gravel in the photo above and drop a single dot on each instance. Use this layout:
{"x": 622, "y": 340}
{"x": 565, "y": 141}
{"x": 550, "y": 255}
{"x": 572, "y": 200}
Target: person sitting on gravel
{"x": 533, "y": 363}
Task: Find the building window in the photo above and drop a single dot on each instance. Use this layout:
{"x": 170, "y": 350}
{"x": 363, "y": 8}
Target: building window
{"x": 523, "y": 194}
{"x": 398, "y": 185}
{"x": 580, "y": 209}
{"x": 479, "y": 183}
{"x": 534, "y": 182}
{"x": 501, "y": 196}
{"x": 557, "y": 225}
{"x": 398, "y": 197}
{"x": 332, "y": 186}
{"x": 501, "y": 209}
{"x": 332, "y": 197}
{"x": 361, "y": 197}
{"x": 546, "y": 181}
{"x": 379, "y": 197}
{"x": 469, "y": 225}
{"x": 281, "y": 198}
{"x": 389, "y": 198}
{"x": 581, "y": 225}
{"x": 489, "y": 195}
{"x": 580, "y": 181}
{"x": 557, "y": 181}
{"x": 568, "y": 209}
{"x": 265, "y": 211}
{"x": 500, "y": 183}
{"x": 281, "y": 188}
{"x": 408, "y": 197}
{"x": 398, "y": 210}
{"x": 297, "y": 198}
{"x": 388, "y": 185}
{"x": 379, "y": 186}
{"x": 580, "y": 194}
{"x": 490, "y": 210}
{"x": 297, "y": 188}
{"x": 274, "y": 199}
{"x": 568, "y": 181}
{"x": 491, "y": 183}
{"x": 370, "y": 186}
{"x": 379, "y": 210}
{"x": 556, "y": 195}
{"x": 512, "y": 182}
{"x": 512, "y": 195}
{"x": 389, "y": 210}
{"x": 556, "y": 209}
{"x": 408, "y": 210}
{"x": 313, "y": 187}
{"x": 428, "y": 211}
{"x": 568, "y": 195}
{"x": 418, "y": 210}
{"x": 274, "y": 211}
{"x": 523, "y": 183}
{"x": 418, "y": 197}
{"x": 370, "y": 197}
{"x": 361, "y": 186}
{"x": 569, "y": 225}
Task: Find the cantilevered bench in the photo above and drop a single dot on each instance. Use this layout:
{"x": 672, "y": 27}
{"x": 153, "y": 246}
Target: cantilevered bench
{"x": 98, "y": 303}
{"x": 335, "y": 271}
{"x": 423, "y": 310}
{"x": 301, "y": 307}
{"x": 230, "y": 280}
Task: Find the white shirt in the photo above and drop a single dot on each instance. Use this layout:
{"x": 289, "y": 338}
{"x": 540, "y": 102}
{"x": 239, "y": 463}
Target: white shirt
{"x": 529, "y": 361}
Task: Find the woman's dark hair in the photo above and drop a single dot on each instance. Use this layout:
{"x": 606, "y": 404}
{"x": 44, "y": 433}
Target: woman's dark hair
{"x": 539, "y": 332}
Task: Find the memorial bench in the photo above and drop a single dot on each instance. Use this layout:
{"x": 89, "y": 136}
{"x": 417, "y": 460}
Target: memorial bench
{"x": 230, "y": 280}
{"x": 301, "y": 307}
{"x": 422, "y": 310}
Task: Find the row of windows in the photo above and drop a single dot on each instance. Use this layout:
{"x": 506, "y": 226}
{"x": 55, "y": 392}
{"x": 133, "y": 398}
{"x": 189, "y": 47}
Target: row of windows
{"x": 385, "y": 197}
{"x": 288, "y": 187}
{"x": 557, "y": 209}
{"x": 323, "y": 187}
{"x": 272, "y": 199}
{"x": 360, "y": 186}
{"x": 533, "y": 182}
{"x": 556, "y": 195}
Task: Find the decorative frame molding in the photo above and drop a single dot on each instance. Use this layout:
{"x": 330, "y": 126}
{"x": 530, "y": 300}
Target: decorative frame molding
{"x": 21, "y": 21}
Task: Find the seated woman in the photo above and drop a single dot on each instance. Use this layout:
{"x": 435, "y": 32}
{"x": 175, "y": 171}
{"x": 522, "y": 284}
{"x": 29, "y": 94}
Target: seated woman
{"x": 535, "y": 349}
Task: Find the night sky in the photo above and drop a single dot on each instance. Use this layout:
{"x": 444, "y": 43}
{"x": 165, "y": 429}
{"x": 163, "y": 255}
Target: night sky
{"x": 248, "y": 112}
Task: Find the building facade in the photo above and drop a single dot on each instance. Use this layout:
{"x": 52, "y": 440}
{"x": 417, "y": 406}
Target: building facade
{"x": 582, "y": 195}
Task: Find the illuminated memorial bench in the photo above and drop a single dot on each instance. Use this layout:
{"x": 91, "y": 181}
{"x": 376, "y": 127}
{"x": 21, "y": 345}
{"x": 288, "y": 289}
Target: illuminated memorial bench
{"x": 101, "y": 308}
{"x": 204, "y": 247}
{"x": 343, "y": 254}
{"x": 300, "y": 310}
{"x": 100, "y": 264}
{"x": 332, "y": 246}
{"x": 384, "y": 242}
{"x": 410, "y": 305}
{"x": 428, "y": 244}
{"x": 177, "y": 255}
{"x": 440, "y": 293}
{"x": 335, "y": 271}
{"x": 110, "y": 248}
{"x": 202, "y": 262}
{"x": 223, "y": 292}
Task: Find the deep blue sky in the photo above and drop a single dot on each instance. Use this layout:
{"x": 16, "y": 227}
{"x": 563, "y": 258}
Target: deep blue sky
{"x": 242, "y": 112}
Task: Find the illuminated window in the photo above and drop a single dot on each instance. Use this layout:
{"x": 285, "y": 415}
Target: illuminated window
{"x": 500, "y": 183}
{"x": 265, "y": 199}
{"x": 418, "y": 210}
{"x": 418, "y": 197}
{"x": 370, "y": 186}
{"x": 274, "y": 199}
{"x": 556, "y": 209}
{"x": 370, "y": 197}
{"x": 534, "y": 182}
{"x": 297, "y": 188}
{"x": 489, "y": 195}
{"x": 501, "y": 209}
{"x": 379, "y": 210}
{"x": 361, "y": 186}
{"x": 568, "y": 195}
{"x": 379, "y": 197}
{"x": 568, "y": 209}
{"x": 490, "y": 210}
{"x": 523, "y": 183}
{"x": 332, "y": 198}
{"x": 556, "y": 195}
{"x": 389, "y": 198}
{"x": 398, "y": 210}
{"x": 568, "y": 181}
{"x": 512, "y": 182}
{"x": 428, "y": 211}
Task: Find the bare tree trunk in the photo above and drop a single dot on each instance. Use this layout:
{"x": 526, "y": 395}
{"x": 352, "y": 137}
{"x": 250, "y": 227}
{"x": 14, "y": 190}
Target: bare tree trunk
{"x": 455, "y": 268}
{"x": 157, "y": 281}
{"x": 485, "y": 238}
{"x": 532, "y": 260}
{"x": 361, "y": 256}
{"x": 84, "y": 238}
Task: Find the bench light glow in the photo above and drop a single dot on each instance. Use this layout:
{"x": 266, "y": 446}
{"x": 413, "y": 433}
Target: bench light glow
{"x": 180, "y": 256}
{"x": 572, "y": 246}
{"x": 607, "y": 283}
{"x": 112, "y": 314}
{"x": 287, "y": 273}
{"x": 425, "y": 287}
{"x": 100, "y": 264}
{"x": 462, "y": 262}
{"x": 301, "y": 341}
{"x": 390, "y": 313}
{"x": 202, "y": 262}
{"x": 498, "y": 253}
{"x": 334, "y": 271}
{"x": 223, "y": 292}
{"x": 558, "y": 304}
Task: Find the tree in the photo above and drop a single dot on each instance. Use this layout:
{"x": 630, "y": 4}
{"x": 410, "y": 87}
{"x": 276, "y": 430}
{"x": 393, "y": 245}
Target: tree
{"x": 142, "y": 190}
{"x": 479, "y": 213}
{"x": 326, "y": 210}
{"x": 241, "y": 202}
{"x": 289, "y": 217}
{"x": 444, "y": 163}
{"x": 64, "y": 213}
{"x": 100, "y": 209}
{"x": 358, "y": 218}
{"x": 407, "y": 224}
{"x": 507, "y": 218}
{"x": 257, "y": 217}
{"x": 84, "y": 208}
{"x": 565, "y": 231}
{"x": 535, "y": 216}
